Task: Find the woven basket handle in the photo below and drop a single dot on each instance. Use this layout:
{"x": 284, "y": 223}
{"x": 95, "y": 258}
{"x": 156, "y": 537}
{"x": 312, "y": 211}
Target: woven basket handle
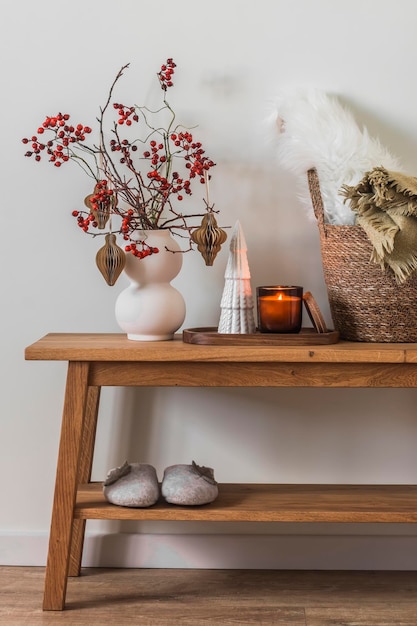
{"x": 316, "y": 197}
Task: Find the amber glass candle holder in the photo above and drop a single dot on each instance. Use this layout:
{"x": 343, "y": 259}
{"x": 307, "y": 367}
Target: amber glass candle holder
{"x": 279, "y": 309}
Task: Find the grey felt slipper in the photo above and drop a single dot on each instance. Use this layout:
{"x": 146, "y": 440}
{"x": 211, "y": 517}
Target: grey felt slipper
{"x": 132, "y": 484}
{"x": 189, "y": 484}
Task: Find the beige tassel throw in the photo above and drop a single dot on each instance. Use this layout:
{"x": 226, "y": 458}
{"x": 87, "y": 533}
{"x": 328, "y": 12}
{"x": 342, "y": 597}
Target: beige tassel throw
{"x": 386, "y": 207}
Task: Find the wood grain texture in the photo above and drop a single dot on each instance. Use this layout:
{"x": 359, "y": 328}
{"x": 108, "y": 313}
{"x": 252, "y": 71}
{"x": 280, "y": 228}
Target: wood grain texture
{"x": 84, "y": 475}
{"x": 214, "y": 598}
{"x": 66, "y": 485}
{"x": 306, "y": 337}
{"x": 270, "y": 503}
{"x": 379, "y": 615}
{"x": 100, "y": 359}
{"x": 255, "y": 374}
{"x": 116, "y": 347}
{"x": 411, "y": 353}
{"x": 314, "y": 313}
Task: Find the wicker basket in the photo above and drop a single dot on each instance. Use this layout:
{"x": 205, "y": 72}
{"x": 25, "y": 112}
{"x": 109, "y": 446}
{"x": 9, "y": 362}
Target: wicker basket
{"x": 366, "y": 303}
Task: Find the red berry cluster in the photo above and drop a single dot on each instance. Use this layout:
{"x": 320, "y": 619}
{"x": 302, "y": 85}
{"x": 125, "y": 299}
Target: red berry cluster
{"x": 125, "y": 227}
{"x": 165, "y": 74}
{"x": 102, "y": 197}
{"x": 197, "y": 163}
{"x": 124, "y": 147}
{"x": 164, "y": 169}
{"x": 153, "y": 152}
{"x": 84, "y": 220}
{"x": 57, "y": 148}
{"x": 141, "y": 249}
{"x": 99, "y": 201}
{"x": 126, "y": 114}
{"x": 157, "y": 158}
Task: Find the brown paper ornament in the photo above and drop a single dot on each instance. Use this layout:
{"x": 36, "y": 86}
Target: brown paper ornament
{"x": 102, "y": 213}
{"x": 110, "y": 260}
{"x": 209, "y": 238}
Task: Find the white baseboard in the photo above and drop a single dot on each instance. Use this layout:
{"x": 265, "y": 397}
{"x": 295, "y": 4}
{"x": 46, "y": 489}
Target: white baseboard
{"x": 342, "y": 552}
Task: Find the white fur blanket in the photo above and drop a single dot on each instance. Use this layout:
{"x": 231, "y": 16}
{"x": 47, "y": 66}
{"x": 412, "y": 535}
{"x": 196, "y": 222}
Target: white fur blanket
{"x": 313, "y": 130}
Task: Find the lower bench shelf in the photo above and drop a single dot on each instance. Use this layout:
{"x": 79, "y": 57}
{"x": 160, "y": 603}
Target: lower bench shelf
{"x": 269, "y": 503}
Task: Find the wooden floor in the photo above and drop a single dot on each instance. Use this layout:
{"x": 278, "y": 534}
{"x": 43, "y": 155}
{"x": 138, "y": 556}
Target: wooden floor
{"x": 214, "y": 597}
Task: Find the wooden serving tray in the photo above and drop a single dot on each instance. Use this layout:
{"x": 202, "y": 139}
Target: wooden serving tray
{"x": 306, "y": 337}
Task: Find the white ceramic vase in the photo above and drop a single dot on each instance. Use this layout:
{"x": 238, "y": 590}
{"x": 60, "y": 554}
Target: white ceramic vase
{"x": 151, "y": 309}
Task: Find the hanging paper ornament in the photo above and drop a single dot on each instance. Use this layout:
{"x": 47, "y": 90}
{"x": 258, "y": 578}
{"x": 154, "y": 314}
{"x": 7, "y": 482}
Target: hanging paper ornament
{"x": 99, "y": 208}
{"x": 110, "y": 260}
{"x": 209, "y": 238}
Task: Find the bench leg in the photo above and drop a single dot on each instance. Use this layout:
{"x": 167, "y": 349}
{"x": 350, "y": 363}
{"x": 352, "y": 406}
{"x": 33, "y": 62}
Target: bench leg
{"x": 84, "y": 475}
{"x": 72, "y": 431}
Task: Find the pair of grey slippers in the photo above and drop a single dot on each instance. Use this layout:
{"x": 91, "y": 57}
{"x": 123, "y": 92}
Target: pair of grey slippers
{"x": 136, "y": 485}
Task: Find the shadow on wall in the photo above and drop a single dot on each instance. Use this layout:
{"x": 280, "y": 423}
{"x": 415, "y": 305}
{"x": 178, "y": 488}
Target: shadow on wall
{"x": 398, "y": 141}
{"x": 282, "y": 237}
{"x": 269, "y": 435}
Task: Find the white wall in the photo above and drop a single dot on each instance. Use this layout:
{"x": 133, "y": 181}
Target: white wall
{"x": 232, "y": 56}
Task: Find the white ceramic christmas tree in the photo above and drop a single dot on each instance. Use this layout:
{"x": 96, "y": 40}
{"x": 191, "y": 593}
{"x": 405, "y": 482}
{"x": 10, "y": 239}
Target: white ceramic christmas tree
{"x": 237, "y": 300}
